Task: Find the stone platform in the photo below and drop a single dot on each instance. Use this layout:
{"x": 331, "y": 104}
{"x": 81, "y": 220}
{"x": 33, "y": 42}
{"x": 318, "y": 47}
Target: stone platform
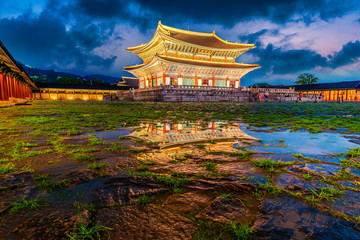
{"x": 176, "y": 93}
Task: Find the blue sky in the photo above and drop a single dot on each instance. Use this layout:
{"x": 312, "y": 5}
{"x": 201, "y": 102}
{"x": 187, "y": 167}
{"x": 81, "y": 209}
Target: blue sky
{"x": 90, "y": 36}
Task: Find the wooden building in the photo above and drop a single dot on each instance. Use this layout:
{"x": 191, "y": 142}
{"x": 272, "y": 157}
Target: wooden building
{"x": 346, "y": 91}
{"x": 176, "y": 57}
{"x": 15, "y": 84}
{"x": 95, "y": 92}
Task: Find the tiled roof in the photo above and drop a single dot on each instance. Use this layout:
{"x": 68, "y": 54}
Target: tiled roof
{"x": 333, "y": 85}
{"x": 210, "y": 40}
{"x": 192, "y": 62}
{"x": 79, "y": 86}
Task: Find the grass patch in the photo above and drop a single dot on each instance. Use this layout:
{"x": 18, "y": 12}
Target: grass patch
{"x": 142, "y": 168}
{"x": 351, "y": 153}
{"x": 226, "y": 195}
{"x": 270, "y": 189}
{"x": 271, "y": 165}
{"x": 43, "y": 182}
{"x": 85, "y": 157}
{"x": 25, "y": 204}
{"x": 93, "y": 140}
{"x": 220, "y": 231}
{"x": 89, "y": 230}
{"x": 98, "y": 166}
{"x": 31, "y": 154}
{"x": 323, "y": 193}
{"x": 7, "y": 168}
{"x": 114, "y": 147}
{"x": 144, "y": 199}
{"x": 210, "y": 166}
{"x": 173, "y": 183}
{"x": 136, "y": 151}
{"x": 307, "y": 176}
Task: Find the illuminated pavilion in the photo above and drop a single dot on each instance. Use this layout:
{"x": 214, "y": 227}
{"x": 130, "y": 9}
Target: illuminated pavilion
{"x": 178, "y": 57}
{"x": 14, "y": 82}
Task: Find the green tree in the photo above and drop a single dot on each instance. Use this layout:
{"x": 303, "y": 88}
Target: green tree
{"x": 96, "y": 80}
{"x": 306, "y": 78}
{"x": 260, "y": 85}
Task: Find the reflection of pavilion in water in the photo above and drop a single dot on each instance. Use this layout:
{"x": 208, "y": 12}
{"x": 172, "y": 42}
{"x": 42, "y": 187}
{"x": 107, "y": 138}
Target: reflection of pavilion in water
{"x": 189, "y": 132}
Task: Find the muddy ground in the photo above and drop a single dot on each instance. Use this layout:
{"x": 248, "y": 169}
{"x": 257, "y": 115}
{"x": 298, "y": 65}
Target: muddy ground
{"x": 118, "y": 187}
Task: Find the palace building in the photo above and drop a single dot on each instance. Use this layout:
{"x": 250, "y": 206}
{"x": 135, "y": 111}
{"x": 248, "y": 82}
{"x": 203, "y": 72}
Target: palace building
{"x": 14, "y": 82}
{"x": 176, "y": 57}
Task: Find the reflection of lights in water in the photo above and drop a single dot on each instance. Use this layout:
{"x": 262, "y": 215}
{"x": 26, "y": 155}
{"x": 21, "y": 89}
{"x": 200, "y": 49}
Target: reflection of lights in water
{"x": 189, "y": 132}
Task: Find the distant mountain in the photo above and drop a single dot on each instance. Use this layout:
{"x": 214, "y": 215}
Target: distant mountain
{"x": 107, "y": 79}
{"x": 50, "y": 76}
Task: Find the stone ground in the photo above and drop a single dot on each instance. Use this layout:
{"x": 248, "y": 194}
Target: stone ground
{"x": 182, "y": 189}
{"x": 51, "y": 186}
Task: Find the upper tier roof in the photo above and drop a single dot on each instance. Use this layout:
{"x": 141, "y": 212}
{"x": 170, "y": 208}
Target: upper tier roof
{"x": 194, "y": 63}
{"x": 208, "y": 40}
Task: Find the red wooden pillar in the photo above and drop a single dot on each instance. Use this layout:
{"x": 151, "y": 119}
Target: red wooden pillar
{"x": 18, "y": 88}
{"x": 7, "y": 86}
{"x": 12, "y": 84}
{"x": 2, "y": 95}
{"x": 23, "y": 91}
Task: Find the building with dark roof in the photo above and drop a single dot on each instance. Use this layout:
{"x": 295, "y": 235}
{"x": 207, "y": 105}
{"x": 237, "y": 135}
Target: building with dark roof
{"x": 15, "y": 84}
{"x": 345, "y": 91}
{"x": 188, "y": 58}
{"x": 84, "y": 92}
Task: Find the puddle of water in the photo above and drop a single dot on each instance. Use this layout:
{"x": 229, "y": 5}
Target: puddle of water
{"x": 110, "y": 134}
{"x": 170, "y": 134}
{"x": 302, "y": 142}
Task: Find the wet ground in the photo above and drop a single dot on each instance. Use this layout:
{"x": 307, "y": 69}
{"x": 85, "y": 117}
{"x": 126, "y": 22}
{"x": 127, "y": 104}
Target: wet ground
{"x": 259, "y": 184}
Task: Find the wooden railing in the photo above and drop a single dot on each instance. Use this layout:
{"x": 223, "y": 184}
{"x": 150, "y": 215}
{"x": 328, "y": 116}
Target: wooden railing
{"x": 244, "y": 89}
{"x": 269, "y": 90}
{"x": 188, "y": 87}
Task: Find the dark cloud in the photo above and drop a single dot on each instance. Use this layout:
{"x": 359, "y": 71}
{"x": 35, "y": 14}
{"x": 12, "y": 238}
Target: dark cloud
{"x": 44, "y": 41}
{"x": 228, "y": 12}
{"x": 101, "y": 8}
{"x": 348, "y": 54}
{"x": 253, "y": 37}
{"x": 278, "y": 61}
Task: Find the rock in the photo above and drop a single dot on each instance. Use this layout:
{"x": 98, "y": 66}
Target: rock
{"x": 76, "y": 177}
{"x": 240, "y": 169}
{"x": 296, "y": 184}
{"x": 222, "y": 184}
{"x": 276, "y": 157}
{"x": 45, "y": 223}
{"x": 347, "y": 203}
{"x": 224, "y": 210}
{"x": 321, "y": 169}
{"x": 186, "y": 202}
{"x": 125, "y": 190}
{"x": 188, "y": 169}
{"x": 145, "y": 222}
{"x": 283, "y": 217}
{"x": 16, "y": 185}
{"x": 13, "y": 180}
